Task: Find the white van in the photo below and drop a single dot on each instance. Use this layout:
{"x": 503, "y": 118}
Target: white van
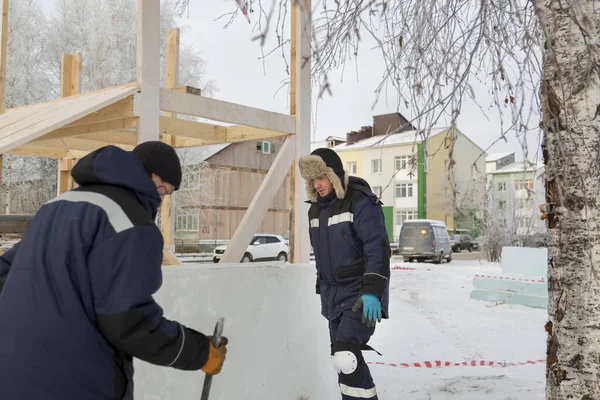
{"x": 424, "y": 239}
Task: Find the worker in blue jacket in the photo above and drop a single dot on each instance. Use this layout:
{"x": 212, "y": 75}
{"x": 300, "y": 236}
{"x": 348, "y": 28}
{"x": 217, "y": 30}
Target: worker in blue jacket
{"x": 352, "y": 254}
{"x": 76, "y": 304}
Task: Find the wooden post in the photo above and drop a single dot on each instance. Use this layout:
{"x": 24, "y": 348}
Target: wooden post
{"x": 292, "y": 172}
{"x": 70, "y": 72}
{"x": 171, "y": 81}
{"x": 302, "y": 137}
{"x": 3, "y": 55}
{"x": 147, "y": 105}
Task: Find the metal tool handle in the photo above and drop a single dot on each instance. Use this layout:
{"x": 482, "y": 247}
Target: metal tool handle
{"x": 216, "y": 342}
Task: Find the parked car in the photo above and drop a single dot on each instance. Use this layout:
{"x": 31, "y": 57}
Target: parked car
{"x": 463, "y": 242}
{"x": 422, "y": 239}
{"x": 263, "y": 247}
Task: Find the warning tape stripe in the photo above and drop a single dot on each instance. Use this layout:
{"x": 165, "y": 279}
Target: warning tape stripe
{"x": 541, "y": 280}
{"x": 441, "y": 364}
{"x": 403, "y": 268}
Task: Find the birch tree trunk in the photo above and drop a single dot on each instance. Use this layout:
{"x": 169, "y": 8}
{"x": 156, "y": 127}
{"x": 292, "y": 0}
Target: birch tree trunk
{"x": 570, "y": 94}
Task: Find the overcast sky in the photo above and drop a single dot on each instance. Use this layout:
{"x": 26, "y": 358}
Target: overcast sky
{"x": 233, "y": 62}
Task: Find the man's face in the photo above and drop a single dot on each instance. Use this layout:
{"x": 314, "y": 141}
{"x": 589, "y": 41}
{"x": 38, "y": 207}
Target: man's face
{"x": 323, "y": 186}
{"x": 163, "y": 188}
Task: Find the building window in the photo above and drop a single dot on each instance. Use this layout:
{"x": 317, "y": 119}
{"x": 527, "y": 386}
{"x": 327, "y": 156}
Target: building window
{"x": 404, "y": 190}
{"x": 188, "y": 221}
{"x": 402, "y": 216}
{"x": 402, "y": 162}
{"x": 502, "y": 205}
{"x": 502, "y": 186}
{"x": 351, "y": 167}
{"x": 524, "y": 185}
{"x": 377, "y": 191}
{"x": 190, "y": 177}
{"x": 376, "y": 166}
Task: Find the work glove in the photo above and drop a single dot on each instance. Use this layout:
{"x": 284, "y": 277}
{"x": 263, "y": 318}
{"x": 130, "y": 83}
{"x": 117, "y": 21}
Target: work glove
{"x": 371, "y": 308}
{"x": 216, "y": 357}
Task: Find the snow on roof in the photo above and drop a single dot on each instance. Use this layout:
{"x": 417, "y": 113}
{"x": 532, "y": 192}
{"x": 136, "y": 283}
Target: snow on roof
{"x": 497, "y": 156}
{"x": 337, "y": 138}
{"x": 198, "y": 154}
{"x": 388, "y": 140}
{"x": 517, "y": 167}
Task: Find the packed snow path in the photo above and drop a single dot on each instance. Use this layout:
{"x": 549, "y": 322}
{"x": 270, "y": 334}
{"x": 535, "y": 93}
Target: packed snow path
{"x": 434, "y": 319}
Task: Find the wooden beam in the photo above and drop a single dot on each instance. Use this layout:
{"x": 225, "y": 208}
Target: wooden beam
{"x": 65, "y": 180}
{"x": 3, "y": 53}
{"x": 15, "y": 223}
{"x": 116, "y": 137}
{"x": 182, "y": 142}
{"x": 70, "y": 69}
{"x": 120, "y": 110}
{"x": 260, "y": 203}
{"x": 303, "y": 127}
{"x": 240, "y": 133}
{"x": 218, "y": 110}
{"x": 77, "y": 130}
{"x": 74, "y": 143}
{"x": 171, "y": 81}
{"x": 3, "y": 56}
{"x": 34, "y": 151}
{"x": 292, "y": 216}
{"x": 147, "y": 105}
{"x": 192, "y": 129}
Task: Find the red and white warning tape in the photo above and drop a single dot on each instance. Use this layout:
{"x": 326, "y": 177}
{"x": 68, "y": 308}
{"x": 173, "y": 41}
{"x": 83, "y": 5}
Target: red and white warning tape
{"x": 541, "y": 280}
{"x": 472, "y": 363}
{"x": 397, "y": 268}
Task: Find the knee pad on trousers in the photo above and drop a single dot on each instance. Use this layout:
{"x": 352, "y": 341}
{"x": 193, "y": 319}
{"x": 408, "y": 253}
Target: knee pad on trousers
{"x": 348, "y": 361}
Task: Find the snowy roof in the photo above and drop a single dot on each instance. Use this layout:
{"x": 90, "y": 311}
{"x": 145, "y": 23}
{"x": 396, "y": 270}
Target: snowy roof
{"x": 388, "y": 140}
{"x": 337, "y": 138}
{"x": 198, "y": 154}
{"x": 497, "y": 156}
{"x": 517, "y": 167}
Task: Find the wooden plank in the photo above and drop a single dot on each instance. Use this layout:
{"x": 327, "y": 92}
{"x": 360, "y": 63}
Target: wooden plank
{"x": 147, "y": 105}
{"x": 218, "y": 110}
{"x": 258, "y": 207}
{"x": 3, "y": 57}
{"x": 182, "y": 142}
{"x": 34, "y": 124}
{"x": 75, "y": 143}
{"x": 303, "y": 126}
{"x": 78, "y": 130}
{"x": 120, "y": 110}
{"x": 65, "y": 180}
{"x": 15, "y": 223}
{"x": 128, "y": 138}
{"x": 70, "y": 69}
{"x": 192, "y": 129}
{"x": 3, "y": 54}
{"x": 292, "y": 183}
{"x": 241, "y": 133}
{"x": 171, "y": 80}
{"x": 33, "y": 151}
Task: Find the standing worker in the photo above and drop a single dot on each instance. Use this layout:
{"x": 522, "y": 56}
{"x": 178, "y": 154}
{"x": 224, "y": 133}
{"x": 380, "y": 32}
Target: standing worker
{"x": 352, "y": 254}
{"x": 76, "y": 304}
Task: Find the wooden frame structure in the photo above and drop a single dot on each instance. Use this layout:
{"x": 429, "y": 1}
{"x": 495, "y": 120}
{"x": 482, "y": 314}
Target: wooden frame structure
{"x": 70, "y": 127}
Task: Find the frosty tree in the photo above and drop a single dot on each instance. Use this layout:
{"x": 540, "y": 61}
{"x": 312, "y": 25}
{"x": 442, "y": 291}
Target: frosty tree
{"x": 538, "y": 56}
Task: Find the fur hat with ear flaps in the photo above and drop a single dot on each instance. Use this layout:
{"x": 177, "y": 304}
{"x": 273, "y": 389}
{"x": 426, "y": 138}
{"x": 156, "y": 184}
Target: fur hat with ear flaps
{"x": 323, "y": 163}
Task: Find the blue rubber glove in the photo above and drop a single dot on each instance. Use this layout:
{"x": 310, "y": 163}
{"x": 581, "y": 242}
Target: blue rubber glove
{"x": 371, "y": 308}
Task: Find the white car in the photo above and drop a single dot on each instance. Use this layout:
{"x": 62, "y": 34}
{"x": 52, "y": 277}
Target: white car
{"x": 263, "y": 247}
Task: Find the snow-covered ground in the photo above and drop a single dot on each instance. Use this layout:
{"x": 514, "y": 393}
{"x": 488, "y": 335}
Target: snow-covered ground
{"x": 434, "y": 318}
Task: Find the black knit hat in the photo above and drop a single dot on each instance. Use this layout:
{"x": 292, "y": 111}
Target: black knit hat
{"x": 161, "y": 159}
